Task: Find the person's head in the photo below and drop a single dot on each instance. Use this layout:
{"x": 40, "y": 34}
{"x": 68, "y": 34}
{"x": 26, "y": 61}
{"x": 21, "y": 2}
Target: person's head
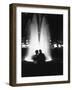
{"x": 36, "y": 52}
{"x": 40, "y": 51}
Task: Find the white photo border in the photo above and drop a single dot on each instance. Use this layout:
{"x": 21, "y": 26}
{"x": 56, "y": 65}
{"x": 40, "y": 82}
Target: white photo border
{"x": 39, "y": 79}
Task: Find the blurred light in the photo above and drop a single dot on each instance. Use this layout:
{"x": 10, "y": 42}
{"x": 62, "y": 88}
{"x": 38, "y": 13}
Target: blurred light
{"x": 55, "y": 45}
{"x": 25, "y": 46}
{"x": 27, "y": 41}
{"x": 59, "y": 45}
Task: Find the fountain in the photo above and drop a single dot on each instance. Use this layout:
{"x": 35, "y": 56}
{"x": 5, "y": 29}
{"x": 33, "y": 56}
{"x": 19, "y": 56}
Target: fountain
{"x": 39, "y": 38}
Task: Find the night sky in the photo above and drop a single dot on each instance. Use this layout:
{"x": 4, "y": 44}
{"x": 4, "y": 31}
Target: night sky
{"x": 55, "y": 24}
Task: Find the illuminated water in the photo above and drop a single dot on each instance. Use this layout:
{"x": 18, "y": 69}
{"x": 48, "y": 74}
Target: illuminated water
{"x": 39, "y": 39}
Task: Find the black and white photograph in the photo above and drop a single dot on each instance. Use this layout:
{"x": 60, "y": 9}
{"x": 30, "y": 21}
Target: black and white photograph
{"x": 40, "y": 44}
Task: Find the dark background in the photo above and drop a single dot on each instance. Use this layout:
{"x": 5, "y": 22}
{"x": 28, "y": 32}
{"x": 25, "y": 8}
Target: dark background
{"x": 55, "y": 22}
{"x": 55, "y": 67}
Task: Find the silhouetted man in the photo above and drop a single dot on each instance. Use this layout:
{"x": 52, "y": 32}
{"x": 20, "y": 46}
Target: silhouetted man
{"x": 41, "y": 57}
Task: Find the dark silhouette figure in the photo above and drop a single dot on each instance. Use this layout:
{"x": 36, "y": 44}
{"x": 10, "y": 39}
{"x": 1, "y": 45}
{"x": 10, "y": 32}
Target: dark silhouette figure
{"x": 35, "y": 57}
{"x": 41, "y": 57}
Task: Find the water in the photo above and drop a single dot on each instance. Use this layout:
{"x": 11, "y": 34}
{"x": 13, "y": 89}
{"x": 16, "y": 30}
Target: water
{"x": 39, "y": 38}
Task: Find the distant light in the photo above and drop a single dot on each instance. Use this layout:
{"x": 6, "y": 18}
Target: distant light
{"x": 24, "y": 45}
{"x": 27, "y": 41}
{"x": 59, "y": 45}
{"x": 55, "y": 45}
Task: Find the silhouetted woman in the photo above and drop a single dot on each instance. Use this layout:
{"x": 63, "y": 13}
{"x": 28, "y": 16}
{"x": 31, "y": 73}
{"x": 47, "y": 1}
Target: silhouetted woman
{"x": 35, "y": 57}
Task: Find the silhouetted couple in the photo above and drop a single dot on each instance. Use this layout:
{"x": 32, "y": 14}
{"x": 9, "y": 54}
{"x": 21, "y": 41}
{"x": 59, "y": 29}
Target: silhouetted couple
{"x": 39, "y": 57}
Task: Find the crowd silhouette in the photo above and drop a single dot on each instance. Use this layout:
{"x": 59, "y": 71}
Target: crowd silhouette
{"x": 39, "y": 57}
